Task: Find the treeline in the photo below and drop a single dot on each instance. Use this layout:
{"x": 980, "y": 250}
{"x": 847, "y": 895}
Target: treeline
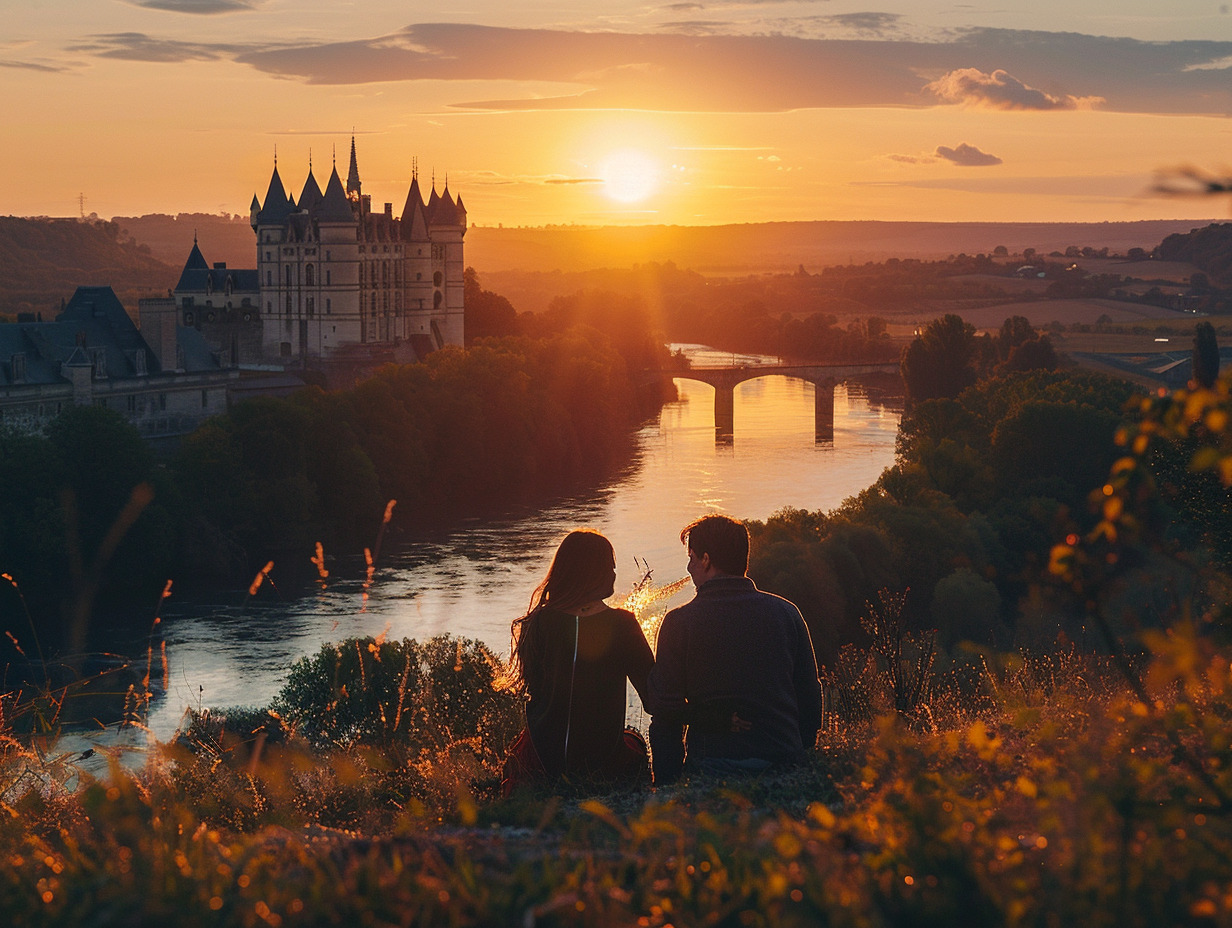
{"x": 989, "y": 478}
{"x": 44, "y": 260}
{"x": 1209, "y": 248}
{"x": 468, "y": 429}
{"x": 794, "y": 315}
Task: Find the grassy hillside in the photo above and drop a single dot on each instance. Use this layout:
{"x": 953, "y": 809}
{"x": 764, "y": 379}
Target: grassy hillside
{"x": 42, "y": 261}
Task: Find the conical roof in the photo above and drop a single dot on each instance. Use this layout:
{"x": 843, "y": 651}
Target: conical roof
{"x": 310, "y": 197}
{"x": 335, "y": 207}
{"x": 445, "y": 213}
{"x": 414, "y": 225}
{"x": 196, "y": 262}
{"x": 276, "y": 207}
{"x": 433, "y": 201}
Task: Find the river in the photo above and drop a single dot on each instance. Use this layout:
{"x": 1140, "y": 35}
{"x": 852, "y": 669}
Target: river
{"x": 473, "y": 580}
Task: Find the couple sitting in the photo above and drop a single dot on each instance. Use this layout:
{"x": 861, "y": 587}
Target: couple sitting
{"x": 733, "y": 688}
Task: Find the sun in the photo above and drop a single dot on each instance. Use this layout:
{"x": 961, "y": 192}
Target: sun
{"x": 629, "y": 175}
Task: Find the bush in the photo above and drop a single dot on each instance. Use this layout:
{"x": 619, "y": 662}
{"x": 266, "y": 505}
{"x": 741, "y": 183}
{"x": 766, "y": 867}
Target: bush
{"x": 419, "y": 698}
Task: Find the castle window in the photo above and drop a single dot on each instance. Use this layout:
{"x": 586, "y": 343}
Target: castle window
{"x": 269, "y": 307}
{"x": 311, "y": 306}
{"x": 19, "y": 367}
{"x": 418, "y": 276}
{"x": 309, "y": 275}
{"x": 361, "y": 273}
{"x": 288, "y": 304}
{"x": 269, "y": 278}
{"x": 327, "y": 256}
{"x": 328, "y": 277}
{"x": 288, "y": 275}
{"x": 437, "y": 278}
{"x": 162, "y": 402}
{"x": 186, "y": 302}
{"x": 269, "y": 256}
{"x": 385, "y": 272}
{"x": 132, "y": 403}
{"x": 327, "y": 307}
{"x": 436, "y": 299}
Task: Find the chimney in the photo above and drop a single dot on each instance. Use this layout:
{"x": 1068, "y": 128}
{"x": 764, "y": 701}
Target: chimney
{"x": 157, "y": 319}
{"x": 389, "y": 211}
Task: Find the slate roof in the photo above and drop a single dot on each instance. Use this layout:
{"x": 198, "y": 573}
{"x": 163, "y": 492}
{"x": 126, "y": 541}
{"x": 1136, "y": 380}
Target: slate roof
{"x": 335, "y": 207}
{"x": 277, "y": 207}
{"x": 93, "y": 320}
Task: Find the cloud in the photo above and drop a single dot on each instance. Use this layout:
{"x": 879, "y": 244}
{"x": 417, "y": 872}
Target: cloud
{"x": 912, "y": 159}
{"x": 137, "y": 46}
{"x": 35, "y": 66}
{"x": 702, "y": 72}
{"x": 573, "y": 180}
{"x": 864, "y": 23}
{"x": 1001, "y": 91}
{"x": 201, "y": 7}
{"x": 967, "y": 156}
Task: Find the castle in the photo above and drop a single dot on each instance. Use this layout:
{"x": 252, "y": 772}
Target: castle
{"x": 336, "y": 286}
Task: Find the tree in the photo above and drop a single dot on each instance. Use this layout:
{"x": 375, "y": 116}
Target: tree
{"x": 487, "y": 313}
{"x": 939, "y": 363}
{"x": 1205, "y": 355}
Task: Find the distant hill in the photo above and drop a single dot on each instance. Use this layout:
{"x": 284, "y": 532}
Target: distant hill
{"x": 784, "y": 246}
{"x": 42, "y": 261}
{"x": 222, "y": 237}
{"x": 1209, "y": 249}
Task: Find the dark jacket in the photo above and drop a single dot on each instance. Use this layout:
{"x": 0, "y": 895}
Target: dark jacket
{"x": 736, "y": 666}
{"x": 583, "y": 702}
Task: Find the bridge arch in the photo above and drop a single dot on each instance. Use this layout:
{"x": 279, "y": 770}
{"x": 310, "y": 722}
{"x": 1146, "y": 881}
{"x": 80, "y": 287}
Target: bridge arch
{"x": 823, "y": 377}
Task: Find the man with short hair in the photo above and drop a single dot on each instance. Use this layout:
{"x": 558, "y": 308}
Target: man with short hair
{"x": 734, "y": 666}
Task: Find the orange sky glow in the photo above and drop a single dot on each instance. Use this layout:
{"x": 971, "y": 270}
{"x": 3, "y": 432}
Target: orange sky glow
{"x": 715, "y": 111}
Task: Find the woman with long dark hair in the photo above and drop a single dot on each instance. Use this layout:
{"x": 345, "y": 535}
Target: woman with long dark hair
{"x": 571, "y": 656}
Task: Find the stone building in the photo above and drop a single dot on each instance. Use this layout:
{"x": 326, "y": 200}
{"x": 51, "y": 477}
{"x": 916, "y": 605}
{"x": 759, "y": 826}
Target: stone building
{"x": 335, "y": 283}
{"x": 163, "y": 377}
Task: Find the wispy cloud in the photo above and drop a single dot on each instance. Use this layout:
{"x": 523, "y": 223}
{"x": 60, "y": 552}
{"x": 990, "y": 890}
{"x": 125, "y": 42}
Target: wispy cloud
{"x": 870, "y": 24}
{"x": 35, "y": 66}
{"x": 967, "y": 156}
{"x": 137, "y": 46}
{"x": 1005, "y": 69}
{"x": 1002, "y": 91}
{"x": 199, "y": 7}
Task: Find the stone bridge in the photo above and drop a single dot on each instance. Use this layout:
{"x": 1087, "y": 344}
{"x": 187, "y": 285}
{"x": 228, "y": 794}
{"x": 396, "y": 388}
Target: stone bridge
{"x": 823, "y": 377}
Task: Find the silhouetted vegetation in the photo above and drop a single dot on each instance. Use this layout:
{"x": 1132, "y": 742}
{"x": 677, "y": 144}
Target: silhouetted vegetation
{"x": 1208, "y": 248}
{"x": 42, "y": 261}
{"x": 985, "y": 484}
{"x": 510, "y": 419}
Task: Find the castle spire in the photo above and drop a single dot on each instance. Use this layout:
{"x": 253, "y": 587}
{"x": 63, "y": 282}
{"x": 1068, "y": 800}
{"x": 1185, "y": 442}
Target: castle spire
{"x": 352, "y": 184}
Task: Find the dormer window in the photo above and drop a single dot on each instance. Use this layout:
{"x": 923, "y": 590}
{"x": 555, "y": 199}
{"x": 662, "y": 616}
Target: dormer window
{"x": 18, "y": 366}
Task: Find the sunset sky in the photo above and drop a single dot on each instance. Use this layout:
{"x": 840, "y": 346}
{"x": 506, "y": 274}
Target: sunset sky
{"x": 693, "y": 112}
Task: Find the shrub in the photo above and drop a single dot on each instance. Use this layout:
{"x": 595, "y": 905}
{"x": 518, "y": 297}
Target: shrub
{"x": 420, "y": 698}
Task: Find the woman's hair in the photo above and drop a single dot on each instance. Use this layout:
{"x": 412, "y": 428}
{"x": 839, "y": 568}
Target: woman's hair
{"x": 581, "y": 573}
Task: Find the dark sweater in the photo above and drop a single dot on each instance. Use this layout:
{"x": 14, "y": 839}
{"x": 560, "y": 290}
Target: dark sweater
{"x": 736, "y": 666}
{"x": 610, "y": 648}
